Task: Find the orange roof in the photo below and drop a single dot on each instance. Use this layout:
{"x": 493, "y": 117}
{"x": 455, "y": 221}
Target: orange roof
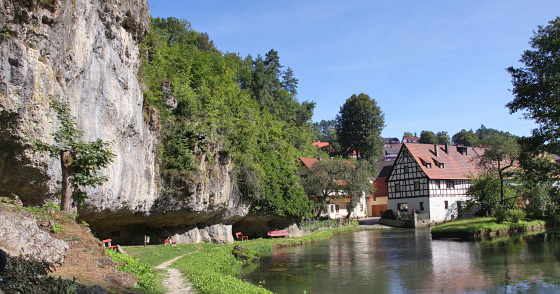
{"x": 308, "y": 162}
{"x": 455, "y": 164}
{"x": 380, "y": 186}
{"x": 411, "y": 138}
{"x": 321, "y": 144}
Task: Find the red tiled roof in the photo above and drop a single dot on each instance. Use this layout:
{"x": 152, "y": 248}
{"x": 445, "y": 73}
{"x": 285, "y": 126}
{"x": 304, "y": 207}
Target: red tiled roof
{"x": 380, "y": 186}
{"x": 308, "y": 162}
{"x": 411, "y": 138}
{"x": 321, "y": 144}
{"x": 456, "y": 165}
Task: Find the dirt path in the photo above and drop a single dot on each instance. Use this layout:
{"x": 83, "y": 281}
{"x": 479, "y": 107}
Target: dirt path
{"x": 174, "y": 283}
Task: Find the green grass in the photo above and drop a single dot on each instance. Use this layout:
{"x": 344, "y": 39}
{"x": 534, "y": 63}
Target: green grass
{"x": 148, "y": 279}
{"x": 154, "y": 255}
{"x": 474, "y": 225}
{"x": 212, "y": 268}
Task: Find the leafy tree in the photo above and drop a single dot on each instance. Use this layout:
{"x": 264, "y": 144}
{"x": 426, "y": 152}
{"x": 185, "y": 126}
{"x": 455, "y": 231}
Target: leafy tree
{"x": 325, "y": 131}
{"x": 427, "y": 137}
{"x": 499, "y": 160}
{"x": 358, "y": 127}
{"x": 443, "y": 138}
{"x": 330, "y": 178}
{"x": 536, "y": 88}
{"x": 485, "y": 191}
{"x": 408, "y": 134}
{"x": 466, "y": 138}
{"x": 323, "y": 181}
{"x": 80, "y": 161}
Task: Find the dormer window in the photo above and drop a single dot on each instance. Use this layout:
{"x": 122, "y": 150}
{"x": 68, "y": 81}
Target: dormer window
{"x": 428, "y": 165}
{"x": 441, "y": 165}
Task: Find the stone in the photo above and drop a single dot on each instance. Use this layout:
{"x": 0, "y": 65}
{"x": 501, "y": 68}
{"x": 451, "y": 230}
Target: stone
{"x": 20, "y": 235}
{"x": 190, "y": 235}
{"x": 87, "y": 53}
{"x": 220, "y": 234}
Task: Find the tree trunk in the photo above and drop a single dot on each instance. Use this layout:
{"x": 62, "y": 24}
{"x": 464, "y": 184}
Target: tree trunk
{"x": 66, "y": 197}
{"x": 502, "y": 200}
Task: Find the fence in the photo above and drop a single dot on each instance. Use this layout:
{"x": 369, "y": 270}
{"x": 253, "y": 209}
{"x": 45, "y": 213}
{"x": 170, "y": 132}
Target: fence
{"x": 313, "y": 225}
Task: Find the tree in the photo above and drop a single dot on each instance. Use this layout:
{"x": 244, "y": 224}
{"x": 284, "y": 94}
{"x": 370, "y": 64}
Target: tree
{"x": 408, "y": 134}
{"x": 79, "y": 161}
{"x": 330, "y": 178}
{"x": 325, "y": 131}
{"x": 536, "y": 89}
{"x": 289, "y": 81}
{"x": 427, "y": 137}
{"x": 499, "y": 161}
{"x": 466, "y": 138}
{"x": 358, "y": 127}
{"x": 323, "y": 181}
{"x": 443, "y": 138}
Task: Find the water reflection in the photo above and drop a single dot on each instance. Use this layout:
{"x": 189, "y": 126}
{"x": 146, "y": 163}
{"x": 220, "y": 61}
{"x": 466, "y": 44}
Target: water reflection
{"x": 408, "y": 261}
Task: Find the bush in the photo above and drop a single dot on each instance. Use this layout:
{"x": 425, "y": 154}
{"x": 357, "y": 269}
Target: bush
{"x": 243, "y": 253}
{"x": 509, "y": 215}
{"x": 388, "y": 214}
{"x": 147, "y": 277}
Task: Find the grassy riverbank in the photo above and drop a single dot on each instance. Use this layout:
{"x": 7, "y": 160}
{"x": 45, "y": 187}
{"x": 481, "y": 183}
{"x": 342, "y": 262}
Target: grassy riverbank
{"x": 212, "y": 268}
{"x": 484, "y": 228}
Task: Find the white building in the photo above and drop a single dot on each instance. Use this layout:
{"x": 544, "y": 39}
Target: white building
{"x": 432, "y": 179}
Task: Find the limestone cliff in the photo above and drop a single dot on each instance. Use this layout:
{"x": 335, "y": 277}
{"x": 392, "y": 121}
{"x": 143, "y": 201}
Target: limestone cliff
{"x": 87, "y": 53}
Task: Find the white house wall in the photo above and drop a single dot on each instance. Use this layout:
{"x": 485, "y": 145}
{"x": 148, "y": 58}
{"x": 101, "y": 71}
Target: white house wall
{"x": 438, "y": 213}
{"x": 413, "y": 204}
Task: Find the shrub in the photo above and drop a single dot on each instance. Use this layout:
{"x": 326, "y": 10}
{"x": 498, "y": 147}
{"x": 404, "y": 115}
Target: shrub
{"x": 388, "y": 214}
{"x": 147, "y": 277}
{"x": 509, "y": 215}
{"x": 244, "y": 253}
{"x": 55, "y": 228}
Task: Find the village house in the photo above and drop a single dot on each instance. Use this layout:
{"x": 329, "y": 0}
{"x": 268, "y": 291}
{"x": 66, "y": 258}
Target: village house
{"x": 377, "y": 202}
{"x": 411, "y": 139}
{"x": 432, "y": 179}
{"x": 390, "y": 149}
{"x": 337, "y": 202}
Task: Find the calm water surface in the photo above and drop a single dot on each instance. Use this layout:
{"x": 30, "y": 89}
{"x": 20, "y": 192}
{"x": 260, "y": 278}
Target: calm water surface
{"x": 408, "y": 261}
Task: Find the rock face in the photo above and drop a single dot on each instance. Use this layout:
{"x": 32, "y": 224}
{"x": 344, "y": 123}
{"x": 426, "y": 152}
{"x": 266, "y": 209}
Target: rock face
{"x": 86, "y": 52}
{"x": 20, "y": 235}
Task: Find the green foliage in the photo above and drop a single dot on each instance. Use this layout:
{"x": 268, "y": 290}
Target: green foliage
{"x": 443, "y": 138}
{"x": 226, "y": 106}
{"x": 51, "y": 207}
{"x": 325, "y": 131}
{"x": 85, "y": 224}
{"x": 428, "y": 137}
{"x": 55, "y": 228}
{"x": 388, "y": 214}
{"x": 466, "y": 138}
{"x": 510, "y": 215}
{"x": 409, "y": 134}
{"x": 478, "y": 224}
{"x": 148, "y": 280}
{"x": 536, "y": 86}
{"x": 358, "y": 127}
{"x": 544, "y": 201}
{"x": 244, "y": 253}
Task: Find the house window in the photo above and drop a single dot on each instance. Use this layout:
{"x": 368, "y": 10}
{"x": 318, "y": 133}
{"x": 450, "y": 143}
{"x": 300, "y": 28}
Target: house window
{"x": 361, "y": 207}
{"x": 441, "y": 165}
{"x": 338, "y": 208}
{"x": 422, "y": 206}
{"x": 397, "y": 187}
{"x": 446, "y": 203}
{"x": 438, "y": 185}
{"x": 428, "y": 165}
{"x": 406, "y": 169}
{"x": 332, "y": 209}
{"x": 450, "y": 184}
{"x": 416, "y": 185}
{"x": 402, "y": 206}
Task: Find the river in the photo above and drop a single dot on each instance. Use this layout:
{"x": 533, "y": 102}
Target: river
{"x": 409, "y": 261}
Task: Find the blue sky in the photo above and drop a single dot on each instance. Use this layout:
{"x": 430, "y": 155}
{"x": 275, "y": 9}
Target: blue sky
{"x": 431, "y": 65}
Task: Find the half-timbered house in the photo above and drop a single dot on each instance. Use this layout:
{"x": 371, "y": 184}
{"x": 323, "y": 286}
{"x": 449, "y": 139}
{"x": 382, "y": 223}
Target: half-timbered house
{"x": 432, "y": 179}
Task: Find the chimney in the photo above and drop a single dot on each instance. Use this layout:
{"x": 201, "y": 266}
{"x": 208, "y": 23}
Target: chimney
{"x": 447, "y": 148}
{"x": 436, "y": 150}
